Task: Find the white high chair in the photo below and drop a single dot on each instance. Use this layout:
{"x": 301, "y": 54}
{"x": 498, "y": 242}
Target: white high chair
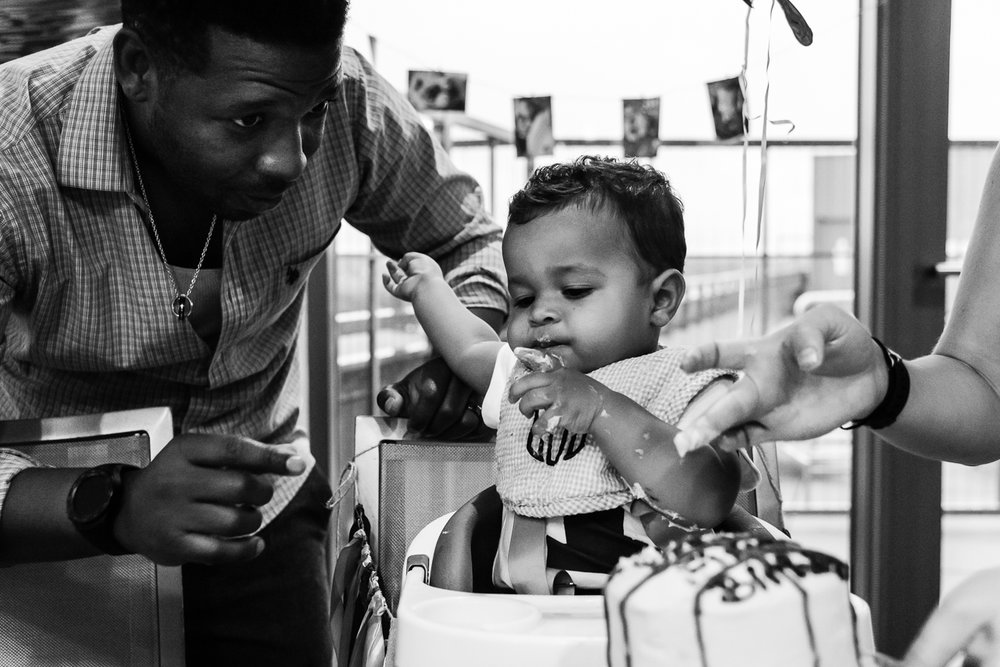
{"x": 436, "y": 564}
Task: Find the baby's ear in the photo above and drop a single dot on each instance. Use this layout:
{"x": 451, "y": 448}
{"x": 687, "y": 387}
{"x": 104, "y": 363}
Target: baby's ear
{"x": 668, "y": 291}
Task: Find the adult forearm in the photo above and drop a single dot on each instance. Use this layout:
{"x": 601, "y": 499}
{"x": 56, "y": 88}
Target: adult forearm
{"x": 34, "y": 525}
{"x": 952, "y": 414}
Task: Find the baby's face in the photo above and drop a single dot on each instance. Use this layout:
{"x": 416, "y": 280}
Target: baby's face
{"x": 576, "y": 290}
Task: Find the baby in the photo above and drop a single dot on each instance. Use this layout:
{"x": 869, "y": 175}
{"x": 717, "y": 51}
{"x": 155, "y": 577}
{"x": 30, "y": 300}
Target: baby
{"x": 584, "y": 399}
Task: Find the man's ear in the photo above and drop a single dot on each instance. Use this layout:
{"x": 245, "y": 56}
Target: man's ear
{"x": 668, "y": 291}
{"x": 133, "y": 66}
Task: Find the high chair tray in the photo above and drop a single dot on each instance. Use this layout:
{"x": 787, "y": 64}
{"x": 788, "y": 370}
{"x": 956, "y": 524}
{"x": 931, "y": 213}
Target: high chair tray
{"x": 450, "y": 628}
{"x": 447, "y": 628}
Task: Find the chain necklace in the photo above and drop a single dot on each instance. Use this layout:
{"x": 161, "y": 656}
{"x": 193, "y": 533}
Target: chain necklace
{"x": 182, "y": 305}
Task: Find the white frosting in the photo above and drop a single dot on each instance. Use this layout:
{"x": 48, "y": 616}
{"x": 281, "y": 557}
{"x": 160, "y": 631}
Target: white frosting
{"x": 758, "y": 604}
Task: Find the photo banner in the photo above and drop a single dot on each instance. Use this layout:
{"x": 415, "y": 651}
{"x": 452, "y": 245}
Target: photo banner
{"x": 726, "y": 98}
{"x": 533, "y": 126}
{"x": 437, "y": 91}
{"x": 641, "y": 122}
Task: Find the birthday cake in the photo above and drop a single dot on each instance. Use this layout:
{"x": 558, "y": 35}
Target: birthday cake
{"x": 727, "y": 600}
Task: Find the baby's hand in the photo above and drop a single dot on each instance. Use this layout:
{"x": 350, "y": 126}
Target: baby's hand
{"x": 563, "y": 398}
{"x": 537, "y": 361}
{"x": 404, "y": 277}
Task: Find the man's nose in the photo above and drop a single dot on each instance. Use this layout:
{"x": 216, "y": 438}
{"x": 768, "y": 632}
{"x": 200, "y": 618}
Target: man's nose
{"x": 283, "y": 158}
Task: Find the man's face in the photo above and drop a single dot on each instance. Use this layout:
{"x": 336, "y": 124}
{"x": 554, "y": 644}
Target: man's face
{"x": 240, "y": 133}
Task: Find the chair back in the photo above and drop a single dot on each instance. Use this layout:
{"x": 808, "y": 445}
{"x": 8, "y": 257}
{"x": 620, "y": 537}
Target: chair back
{"x": 104, "y": 610}
{"x": 405, "y": 482}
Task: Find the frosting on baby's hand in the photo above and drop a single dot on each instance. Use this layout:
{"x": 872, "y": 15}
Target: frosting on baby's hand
{"x": 537, "y": 360}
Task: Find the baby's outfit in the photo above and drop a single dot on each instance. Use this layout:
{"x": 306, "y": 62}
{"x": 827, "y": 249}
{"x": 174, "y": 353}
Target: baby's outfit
{"x": 591, "y": 515}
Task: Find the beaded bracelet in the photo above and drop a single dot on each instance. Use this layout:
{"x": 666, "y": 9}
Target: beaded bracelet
{"x": 896, "y": 394}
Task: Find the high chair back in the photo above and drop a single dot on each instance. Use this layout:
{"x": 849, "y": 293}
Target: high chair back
{"x": 104, "y": 610}
{"x": 406, "y": 482}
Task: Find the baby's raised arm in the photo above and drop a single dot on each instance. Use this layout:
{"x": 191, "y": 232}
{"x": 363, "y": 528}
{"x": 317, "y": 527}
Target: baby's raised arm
{"x": 467, "y": 343}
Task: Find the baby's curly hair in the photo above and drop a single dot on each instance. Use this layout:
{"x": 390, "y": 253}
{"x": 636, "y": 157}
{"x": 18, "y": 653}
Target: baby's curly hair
{"x": 636, "y": 194}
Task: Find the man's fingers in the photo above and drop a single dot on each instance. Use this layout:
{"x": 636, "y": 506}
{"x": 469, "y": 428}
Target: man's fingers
{"x": 736, "y": 407}
{"x": 245, "y": 455}
{"x": 223, "y": 520}
{"x": 719, "y": 354}
{"x": 230, "y": 487}
{"x": 451, "y": 410}
{"x": 806, "y": 346}
{"x": 212, "y": 550}
{"x": 392, "y": 401}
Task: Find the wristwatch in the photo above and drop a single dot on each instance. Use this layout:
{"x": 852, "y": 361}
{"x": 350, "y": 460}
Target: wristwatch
{"x": 93, "y": 503}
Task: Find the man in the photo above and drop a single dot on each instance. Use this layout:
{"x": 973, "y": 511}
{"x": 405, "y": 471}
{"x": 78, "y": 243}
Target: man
{"x": 165, "y": 190}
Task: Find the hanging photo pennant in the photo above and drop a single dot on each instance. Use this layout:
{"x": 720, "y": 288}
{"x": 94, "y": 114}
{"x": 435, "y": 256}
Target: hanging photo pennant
{"x": 641, "y": 120}
{"x": 726, "y": 98}
{"x": 437, "y": 91}
{"x": 533, "y": 126}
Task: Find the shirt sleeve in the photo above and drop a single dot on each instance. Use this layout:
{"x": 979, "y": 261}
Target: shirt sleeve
{"x": 502, "y": 370}
{"x": 11, "y": 463}
{"x": 411, "y": 197}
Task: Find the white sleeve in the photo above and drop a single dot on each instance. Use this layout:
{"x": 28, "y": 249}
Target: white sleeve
{"x": 502, "y": 370}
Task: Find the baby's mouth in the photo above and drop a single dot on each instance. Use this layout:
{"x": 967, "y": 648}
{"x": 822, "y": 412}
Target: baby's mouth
{"x": 544, "y": 342}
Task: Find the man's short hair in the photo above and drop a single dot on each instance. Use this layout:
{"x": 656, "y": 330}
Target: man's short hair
{"x": 177, "y": 30}
{"x": 638, "y": 195}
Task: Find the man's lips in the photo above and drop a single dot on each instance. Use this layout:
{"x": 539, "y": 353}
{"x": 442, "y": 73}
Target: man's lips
{"x": 262, "y": 200}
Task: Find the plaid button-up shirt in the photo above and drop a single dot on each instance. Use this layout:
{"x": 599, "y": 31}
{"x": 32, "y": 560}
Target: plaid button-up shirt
{"x": 85, "y": 321}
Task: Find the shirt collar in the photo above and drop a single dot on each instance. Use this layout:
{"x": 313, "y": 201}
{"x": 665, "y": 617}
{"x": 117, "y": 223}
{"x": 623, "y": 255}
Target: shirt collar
{"x": 92, "y": 150}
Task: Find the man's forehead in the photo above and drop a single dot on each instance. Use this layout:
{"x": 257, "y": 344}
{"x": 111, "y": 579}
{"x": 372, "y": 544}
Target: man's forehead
{"x": 244, "y": 57}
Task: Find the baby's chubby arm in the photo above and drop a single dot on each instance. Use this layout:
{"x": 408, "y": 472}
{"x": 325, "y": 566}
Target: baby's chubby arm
{"x": 468, "y": 344}
{"x": 701, "y": 486}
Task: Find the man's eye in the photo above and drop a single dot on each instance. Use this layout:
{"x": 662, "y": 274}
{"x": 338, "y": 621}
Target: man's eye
{"x": 320, "y": 108}
{"x": 577, "y": 292}
{"x": 523, "y": 301}
{"x": 249, "y": 121}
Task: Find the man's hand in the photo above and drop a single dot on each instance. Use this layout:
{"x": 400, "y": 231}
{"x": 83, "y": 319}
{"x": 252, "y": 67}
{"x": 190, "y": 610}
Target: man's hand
{"x": 198, "y": 500}
{"x": 437, "y": 403}
{"x": 800, "y": 382}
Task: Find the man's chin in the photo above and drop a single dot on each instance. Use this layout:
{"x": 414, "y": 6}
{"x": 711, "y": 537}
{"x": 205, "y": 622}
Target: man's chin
{"x": 250, "y": 209}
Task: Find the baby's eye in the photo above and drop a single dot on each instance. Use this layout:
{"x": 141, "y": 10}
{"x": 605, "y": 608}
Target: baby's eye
{"x": 577, "y": 292}
{"x": 247, "y": 122}
{"x": 523, "y": 301}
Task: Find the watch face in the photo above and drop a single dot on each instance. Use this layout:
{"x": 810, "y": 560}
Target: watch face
{"x": 91, "y": 497}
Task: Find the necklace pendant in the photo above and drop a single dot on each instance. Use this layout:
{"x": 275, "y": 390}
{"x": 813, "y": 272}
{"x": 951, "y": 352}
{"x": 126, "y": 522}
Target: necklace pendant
{"x": 182, "y": 306}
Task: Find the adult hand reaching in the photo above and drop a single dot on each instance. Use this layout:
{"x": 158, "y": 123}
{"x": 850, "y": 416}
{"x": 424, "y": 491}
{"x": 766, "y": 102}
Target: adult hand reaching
{"x": 799, "y": 382}
{"x": 197, "y": 500}
{"x": 967, "y": 621}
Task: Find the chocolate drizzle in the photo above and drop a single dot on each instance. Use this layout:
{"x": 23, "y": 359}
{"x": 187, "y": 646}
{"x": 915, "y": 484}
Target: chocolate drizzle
{"x": 543, "y": 448}
{"x": 749, "y": 565}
